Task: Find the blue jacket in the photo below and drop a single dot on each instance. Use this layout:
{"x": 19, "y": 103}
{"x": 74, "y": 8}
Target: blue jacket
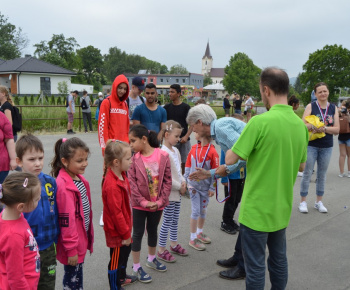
{"x": 240, "y": 174}
{"x": 44, "y": 219}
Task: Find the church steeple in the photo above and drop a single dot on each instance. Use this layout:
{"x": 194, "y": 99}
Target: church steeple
{"x": 207, "y": 52}
{"x": 207, "y": 61}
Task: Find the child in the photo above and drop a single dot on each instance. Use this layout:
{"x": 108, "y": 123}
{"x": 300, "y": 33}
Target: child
{"x": 19, "y": 253}
{"x": 202, "y": 155}
{"x": 44, "y": 219}
{"x": 150, "y": 183}
{"x": 171, "y": 213}
{"x": 74, "y": 209}
{"x": 117, "y": 211}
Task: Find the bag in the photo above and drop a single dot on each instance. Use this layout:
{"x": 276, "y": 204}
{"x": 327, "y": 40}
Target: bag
{"x": 142, "y": 100}
{"x": 315, "y": 121}
{"x": 67, "y": 104}
{"x": 344, "y": 125}
{"x": 16, "y": 120}
{"x": 84, "y": 105}
{"x": 223, "y": 104}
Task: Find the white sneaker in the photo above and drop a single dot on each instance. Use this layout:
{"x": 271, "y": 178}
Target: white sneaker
{"x": 101, "y": 219}
{"x": 341, "y": 175}
{"x": 320, "y": 207}
{"x": 348, "y": 174}
{"x": 300, "y": 174}
{"x": 303, "y": 207}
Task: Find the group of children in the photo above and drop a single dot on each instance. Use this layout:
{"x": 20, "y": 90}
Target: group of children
{"x": 46, "y": 219}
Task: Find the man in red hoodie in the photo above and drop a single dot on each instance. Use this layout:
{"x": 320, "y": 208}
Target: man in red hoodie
{"x": 113, "y": 121}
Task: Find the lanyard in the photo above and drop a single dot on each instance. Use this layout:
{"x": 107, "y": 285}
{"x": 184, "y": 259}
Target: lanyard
{"x": 324, "y": 116}
{"x": 228, "y": 190}
{"x": 205, "y": 156}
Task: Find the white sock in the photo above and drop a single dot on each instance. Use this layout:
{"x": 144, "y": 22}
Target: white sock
{"x": 199, "y": 231}
{"x": 193, "y": 236}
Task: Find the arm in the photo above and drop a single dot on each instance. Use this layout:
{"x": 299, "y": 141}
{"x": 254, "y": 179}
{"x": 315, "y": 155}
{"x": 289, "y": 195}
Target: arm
{"x": 10, "y": 146}
{"x": 184, "y": 139}
{"x": 161, "y": 128}
{"x": 103, "y": 124}
{"x": 70, "y": 105}
{"x": 302, "y": 167}
{"x": 307, "y": 112}
{"x": 335, "y": 129}
{"x": 8, "y": 114}
{"x": 166, "y": 189}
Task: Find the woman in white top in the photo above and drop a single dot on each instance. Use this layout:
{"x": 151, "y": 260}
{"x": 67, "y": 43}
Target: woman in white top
{"x": 248, "y": 106}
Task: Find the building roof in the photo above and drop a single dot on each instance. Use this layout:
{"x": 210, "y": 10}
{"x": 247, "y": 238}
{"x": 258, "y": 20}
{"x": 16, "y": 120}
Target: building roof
{"x": 1, "y": 61}
{"x": 216, "y": 87}
{"x": 207, "y": 52}
{"x": 160, "y": 75}
{"x": 217, "y": 72}
{"x": 32, "y": 65}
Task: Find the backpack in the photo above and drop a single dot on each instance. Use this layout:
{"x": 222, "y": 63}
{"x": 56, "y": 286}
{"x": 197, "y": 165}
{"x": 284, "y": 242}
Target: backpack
{"x": 142, "y": 100}
{"x": 16, "y": 120}
{"x": 67, "y": 104}
{"x": 84, "y": 104}
{"x": 344, "y": 125}
{"x": 223, "y": 104}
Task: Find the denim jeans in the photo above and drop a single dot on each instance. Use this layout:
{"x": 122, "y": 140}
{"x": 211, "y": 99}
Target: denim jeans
{"x": 253, "y": 246}
{"x": 87, "y": 118}
{"x": 323, "y": 157}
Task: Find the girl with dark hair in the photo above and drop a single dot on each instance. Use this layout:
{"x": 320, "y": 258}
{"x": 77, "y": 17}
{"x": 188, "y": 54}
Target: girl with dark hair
{"x": 319, "y": 150}
{"x": 293, "y": 102}
{"x": 74, "y": 209}
{"x": 150, "y": 183}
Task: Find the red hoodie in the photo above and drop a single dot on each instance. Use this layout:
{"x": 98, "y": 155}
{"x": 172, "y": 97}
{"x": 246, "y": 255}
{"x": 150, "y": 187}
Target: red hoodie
{"x": 113, "y": 120}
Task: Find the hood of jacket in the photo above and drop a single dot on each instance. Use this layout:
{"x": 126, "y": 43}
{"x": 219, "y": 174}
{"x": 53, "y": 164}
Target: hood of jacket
{"x": 118, "y": 80}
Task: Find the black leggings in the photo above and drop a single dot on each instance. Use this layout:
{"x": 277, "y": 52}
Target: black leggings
{"x": 139, "y": 218}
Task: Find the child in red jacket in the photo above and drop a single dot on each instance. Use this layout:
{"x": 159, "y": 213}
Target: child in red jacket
{"x": 117, "y": 216}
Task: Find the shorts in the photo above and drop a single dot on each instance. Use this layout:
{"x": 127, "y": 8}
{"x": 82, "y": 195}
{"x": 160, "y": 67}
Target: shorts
{"x": 227, "y": 111}
{"x": 70, "y": 117}
{"x": 184, "y": 149}
{"x": 346, "y": 142}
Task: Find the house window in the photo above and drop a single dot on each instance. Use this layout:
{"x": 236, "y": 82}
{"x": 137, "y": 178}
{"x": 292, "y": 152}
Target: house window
{"x": 151, "y": 80}
{"x": 45, "y": 85}
{"x": 161, "y": 80}
{"x": 177, "y": 80}
{"x": 183, "y": 81}
{"x": 167, "y": 80}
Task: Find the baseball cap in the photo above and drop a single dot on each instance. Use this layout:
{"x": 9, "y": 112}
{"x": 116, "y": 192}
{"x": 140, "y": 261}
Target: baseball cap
{"x": 100, "y": 94}
{"x": 139, "y": 82}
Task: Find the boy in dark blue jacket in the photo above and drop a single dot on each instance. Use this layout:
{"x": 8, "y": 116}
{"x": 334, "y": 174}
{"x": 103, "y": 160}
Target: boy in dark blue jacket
{"x": 44, "y": 219}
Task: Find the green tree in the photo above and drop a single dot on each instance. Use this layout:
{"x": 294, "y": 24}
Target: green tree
{"x": 298, "y": 87}
{"x": 242, "y": 75}
{"x": 207, "y": 80}
{"x": 178, "y": 69}
{"x": 330, "y": 65}
{"x": 62, "y": 88}
{"x": 91, "y": 61}
{"x": 12, "y": 39}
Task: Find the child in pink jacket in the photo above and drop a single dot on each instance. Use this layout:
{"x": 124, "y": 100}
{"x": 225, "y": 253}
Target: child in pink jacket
{"x": 74, "y": 209}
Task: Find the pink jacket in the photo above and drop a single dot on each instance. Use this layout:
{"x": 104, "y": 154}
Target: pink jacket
{"x": 139, "y": 182}
{"x": 73, "y": 238}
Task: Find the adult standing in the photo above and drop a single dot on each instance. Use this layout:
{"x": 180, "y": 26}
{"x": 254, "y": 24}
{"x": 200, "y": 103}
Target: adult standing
{"x": 85, "y": 104}
{"x": 135, "y": 99}
{"x": 6, "y": 106}
{"x": 268, "y": 193}
{"x": 319, "y": 150}
{"x": 150, "y": 114}
{"x": 178, "y": 111}
{"x": 71, "y": 110}
{"x": 248, "y": 106}
{"x": 98, "y": 103}
{"x": 227, "y": 105}
{"x": 344, "y": 145}
{"x": 237, "y": 103}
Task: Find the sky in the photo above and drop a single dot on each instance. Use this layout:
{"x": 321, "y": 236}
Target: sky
{"x": 271, "y": 32}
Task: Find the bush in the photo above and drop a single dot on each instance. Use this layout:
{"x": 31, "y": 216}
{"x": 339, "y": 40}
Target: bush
{"x": 32, "y": 100}
{"x": 16, "y": 100}
{"x": 53, "y": 101}
{"x": 59, "y": 101}
{"x": 46, "y": 100}
{"x": 25, "y": 100}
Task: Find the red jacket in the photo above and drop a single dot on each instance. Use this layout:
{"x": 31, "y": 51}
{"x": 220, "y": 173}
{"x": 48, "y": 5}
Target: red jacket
{"x": 113, "y": 120}
{"x": 140, "y": 195}
{"x": 73, "y": 238}
{"x": 117, "y": 217}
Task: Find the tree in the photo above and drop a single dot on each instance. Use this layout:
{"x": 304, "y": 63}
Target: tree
{"x": 207, "y": 80}
{"x": 91, "y": 61}
{"x": 329, "y": 65}
{"x": 12, "y": 40}
{"x": 242, "y": 75}
{"x": 298, "y": 86}
{"x": 178, "y": 69}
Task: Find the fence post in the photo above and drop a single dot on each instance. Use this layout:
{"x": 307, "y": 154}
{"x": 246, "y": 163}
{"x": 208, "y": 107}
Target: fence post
{"x": 79, "y": 119}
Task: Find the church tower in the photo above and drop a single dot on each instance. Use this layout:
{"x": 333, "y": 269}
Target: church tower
{"x": 207, "y": 61}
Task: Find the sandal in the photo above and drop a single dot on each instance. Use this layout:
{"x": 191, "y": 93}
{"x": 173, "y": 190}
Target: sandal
{"x": 166, "y": 257}
{"x": 178, "y": 250}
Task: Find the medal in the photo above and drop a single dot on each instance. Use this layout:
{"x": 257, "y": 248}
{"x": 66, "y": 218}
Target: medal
{"x": 217, "y": 193}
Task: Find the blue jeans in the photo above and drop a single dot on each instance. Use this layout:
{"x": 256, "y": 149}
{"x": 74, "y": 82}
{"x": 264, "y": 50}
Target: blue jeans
{"x": 238, "y": 111}
{"x": 323, "y": 157}
{"x": 253, "y": 246}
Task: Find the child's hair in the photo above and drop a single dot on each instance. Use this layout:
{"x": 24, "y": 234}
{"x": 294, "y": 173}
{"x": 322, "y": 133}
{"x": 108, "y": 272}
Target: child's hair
{"x": 170, "y": 126}
{"x": 28, "y": 142}
{"x": 18, "y": 188}
{"x": 238, "y": 116}
{"x": 66, "y": 148}
{"x": 140, "y": 130}
{"x": 4, "y": 90}
{"x": 293, "y": 100}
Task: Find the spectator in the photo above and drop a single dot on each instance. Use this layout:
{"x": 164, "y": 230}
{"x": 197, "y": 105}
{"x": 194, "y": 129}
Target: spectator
{"x": 71, "y": 110}
{"x": 85, "y": 104}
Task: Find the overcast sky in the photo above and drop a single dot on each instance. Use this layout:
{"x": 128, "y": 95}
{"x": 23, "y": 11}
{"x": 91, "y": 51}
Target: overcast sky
{"x": 271, "y": 32}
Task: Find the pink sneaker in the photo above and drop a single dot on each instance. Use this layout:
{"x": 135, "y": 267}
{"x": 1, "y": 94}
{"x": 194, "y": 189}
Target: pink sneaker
{"x": 204, "y": 238}
{"x": 166, "y": 257}
{"x": 178, "y": 250}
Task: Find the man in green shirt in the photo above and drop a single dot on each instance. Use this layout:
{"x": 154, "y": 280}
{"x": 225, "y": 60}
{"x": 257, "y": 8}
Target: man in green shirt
{"x": 274, "y": 144}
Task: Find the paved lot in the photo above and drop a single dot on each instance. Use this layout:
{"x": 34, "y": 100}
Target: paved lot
{"x": 318, "y": 244}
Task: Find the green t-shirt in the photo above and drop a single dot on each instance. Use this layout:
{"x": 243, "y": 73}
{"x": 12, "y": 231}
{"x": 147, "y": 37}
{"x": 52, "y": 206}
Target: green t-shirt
{"x": 274, "y": 144}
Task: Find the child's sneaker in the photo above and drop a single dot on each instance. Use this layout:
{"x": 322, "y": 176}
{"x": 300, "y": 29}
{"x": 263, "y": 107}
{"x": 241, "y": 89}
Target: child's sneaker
{"x": 342, "y": 175}
{"x": 197, "y": 244}
{"x": 204, "y": 238}
{"x": 156, "y": 265}
{"x": 166, "y": 257}
{"x": 320, "y": 207}
{"x": 178, "y": 250}
{"x": 128, "y": 280}
{"x": 303, "y": 207}
{"x": 142, "y": 276}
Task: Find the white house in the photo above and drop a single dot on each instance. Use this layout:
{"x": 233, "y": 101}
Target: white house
{"x": 29, "y": 75}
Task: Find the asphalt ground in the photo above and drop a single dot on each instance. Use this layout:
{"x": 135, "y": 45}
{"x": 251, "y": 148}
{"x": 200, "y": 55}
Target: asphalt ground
{"x": 318, "y": 245}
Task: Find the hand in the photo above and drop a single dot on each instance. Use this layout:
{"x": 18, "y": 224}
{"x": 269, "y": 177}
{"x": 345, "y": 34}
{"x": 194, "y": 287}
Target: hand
{"x": 210, "y": 193}
{"x": 183, "y": 188}
{"x": 73, "y": 261}
{"x": 154, "y": 207}
{"x": 13, "y": 164}
{"x": 149, "y": 204}
{"x": 221, "y": 171}
{"x": 225, "y": 183}
{"x": 183, "y": 139}
{"x": 200, "y": 174}
{"x": 126, "y": 242}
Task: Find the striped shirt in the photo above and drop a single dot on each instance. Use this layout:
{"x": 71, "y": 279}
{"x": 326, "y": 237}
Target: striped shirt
{"x": 85, "y": 201}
